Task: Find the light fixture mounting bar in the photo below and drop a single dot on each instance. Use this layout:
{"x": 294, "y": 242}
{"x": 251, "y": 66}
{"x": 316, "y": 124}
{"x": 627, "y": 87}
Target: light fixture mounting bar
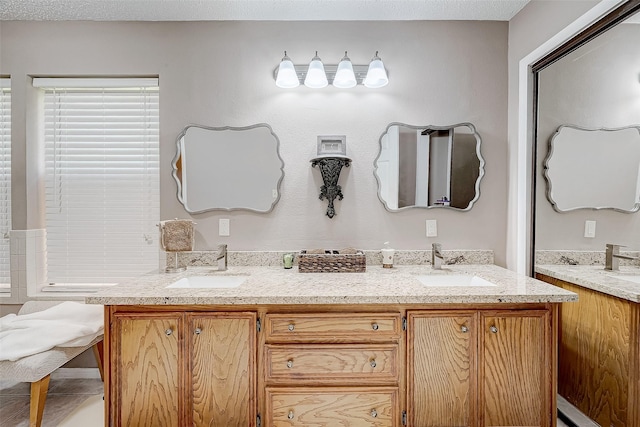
{"x": 360, "y": 72}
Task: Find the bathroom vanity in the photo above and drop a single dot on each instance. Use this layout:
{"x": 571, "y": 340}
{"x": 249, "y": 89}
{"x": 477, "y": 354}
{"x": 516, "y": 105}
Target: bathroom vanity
{"x": 469, "y": 345}
{"x": 599, "y": 342}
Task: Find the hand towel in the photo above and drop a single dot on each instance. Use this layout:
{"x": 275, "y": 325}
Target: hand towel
{"x": 176, "y": 235}
{"x": 69, "y": 324}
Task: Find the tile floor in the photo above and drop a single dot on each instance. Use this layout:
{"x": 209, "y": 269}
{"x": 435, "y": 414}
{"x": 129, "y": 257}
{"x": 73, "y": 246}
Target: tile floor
{"x": 65, "y": 396}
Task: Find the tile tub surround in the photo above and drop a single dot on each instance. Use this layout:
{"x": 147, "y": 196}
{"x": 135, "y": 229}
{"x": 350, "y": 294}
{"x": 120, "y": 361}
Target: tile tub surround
{"x": 28, "y": 255}
{"x": 568, "y": 257}
{"x": 275, "y": 285}
{"x": 274, "y": 258}
{"x": 596, "y": 278}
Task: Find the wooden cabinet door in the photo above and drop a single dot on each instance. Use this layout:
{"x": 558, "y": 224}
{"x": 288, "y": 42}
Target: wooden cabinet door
{"x": 222, "y": 366}
{"x": 441, "y": 368}
{"x": 515, "y": 368}
{"x": 146, "y": 369}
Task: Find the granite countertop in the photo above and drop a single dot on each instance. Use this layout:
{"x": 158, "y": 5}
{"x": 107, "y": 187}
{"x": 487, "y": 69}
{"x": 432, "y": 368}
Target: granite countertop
{"x": 595, "y": 277}
{"x": 275, "y": 285}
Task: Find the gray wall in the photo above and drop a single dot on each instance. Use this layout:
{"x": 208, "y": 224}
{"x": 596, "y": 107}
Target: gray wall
{"x": 220, "y": 73}
{"x": 595, "y": 86}
{"x": 535, "y": 24}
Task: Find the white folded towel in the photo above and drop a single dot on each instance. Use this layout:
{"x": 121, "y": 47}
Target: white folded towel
{"x": 69, "y": 324}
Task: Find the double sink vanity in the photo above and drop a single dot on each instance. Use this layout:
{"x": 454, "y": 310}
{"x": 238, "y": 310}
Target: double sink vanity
{"x": 471, "y": 345}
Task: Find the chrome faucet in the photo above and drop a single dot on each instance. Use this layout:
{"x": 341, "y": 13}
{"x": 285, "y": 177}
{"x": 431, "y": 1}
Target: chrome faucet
{"x": 222, "y": 257}
{"x": 436, "y": 256}
{"x": 612, "y": 257}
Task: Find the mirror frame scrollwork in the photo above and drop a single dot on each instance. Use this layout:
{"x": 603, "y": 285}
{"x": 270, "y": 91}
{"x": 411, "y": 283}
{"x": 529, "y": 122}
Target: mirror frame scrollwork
{"x": 177, "y": 167}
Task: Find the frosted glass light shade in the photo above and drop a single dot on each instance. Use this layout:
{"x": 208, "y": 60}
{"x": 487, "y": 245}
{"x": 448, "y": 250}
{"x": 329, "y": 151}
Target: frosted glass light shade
{"x": 316, "y": 77}
{"x": 345, "y": 77}
{"x": 376, "y": 75}
{"x": 287, "y": 77}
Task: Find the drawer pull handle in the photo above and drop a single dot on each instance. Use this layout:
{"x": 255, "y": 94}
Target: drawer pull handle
{"x": 373, "y": 363}
{"x": 464, "y": 329}
{"x": 168, "y": 332}
{"x": 493, "y": 329}
{"x": 289, "y": 363}
{"x": 291, "y": 327}
{"x": 375, "y": 326}
{"x": 374, "y": 413}
{"x": 290, "y": 415}
{"x": 198, "y": 331}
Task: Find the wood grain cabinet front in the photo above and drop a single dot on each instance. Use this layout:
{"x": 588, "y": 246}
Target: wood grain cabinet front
{"x": 480, "y": 368}
{"x": 182, "y": 369}
{"x": 333, "y": 369}
{"x": 333, "y": 327}
{"x": 144, "y": 389}
{"x": 476, "y": 367}
{"x": 599, "y": 355}
{"x": 332, "y": 363}
{"x": 331, "y": 407}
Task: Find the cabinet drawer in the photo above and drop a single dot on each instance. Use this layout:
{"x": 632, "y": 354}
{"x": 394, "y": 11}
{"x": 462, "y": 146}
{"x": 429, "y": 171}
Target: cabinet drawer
{"x": 330, "y": 407}
{"x": 333, "y": 327}
{"x": 370, "y": 364}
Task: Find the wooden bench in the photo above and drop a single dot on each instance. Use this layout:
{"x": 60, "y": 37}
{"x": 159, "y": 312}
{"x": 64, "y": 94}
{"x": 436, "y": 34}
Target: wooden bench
{"x": 37, "y": 368}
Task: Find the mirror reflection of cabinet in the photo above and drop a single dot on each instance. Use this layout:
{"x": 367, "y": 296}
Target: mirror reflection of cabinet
{"x": 228, "y": 168}
{"x": 429, "y": 166}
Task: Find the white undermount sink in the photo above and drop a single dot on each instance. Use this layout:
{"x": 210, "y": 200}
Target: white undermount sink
{"x": 211, "y": 282}
{"x": 629, "y": 278}
{"x": 450, "y": 280}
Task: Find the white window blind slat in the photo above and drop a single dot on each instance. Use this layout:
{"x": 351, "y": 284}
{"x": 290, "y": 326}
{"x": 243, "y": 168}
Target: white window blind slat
{"x": 102, "y": 180}
{"x": 5, "y": 180}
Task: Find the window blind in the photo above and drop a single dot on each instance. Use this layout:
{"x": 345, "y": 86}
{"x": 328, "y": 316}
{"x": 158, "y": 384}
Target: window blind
{"x": 102, "y": 178}
{"x": 5, "y": 179}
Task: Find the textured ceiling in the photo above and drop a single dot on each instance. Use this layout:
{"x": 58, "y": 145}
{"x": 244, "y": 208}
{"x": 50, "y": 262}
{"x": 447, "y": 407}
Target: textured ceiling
{"x": 278, "y": 10}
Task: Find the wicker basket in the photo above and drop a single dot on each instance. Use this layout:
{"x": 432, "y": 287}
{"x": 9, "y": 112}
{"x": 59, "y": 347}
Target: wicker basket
{"x": 331, "y": 262}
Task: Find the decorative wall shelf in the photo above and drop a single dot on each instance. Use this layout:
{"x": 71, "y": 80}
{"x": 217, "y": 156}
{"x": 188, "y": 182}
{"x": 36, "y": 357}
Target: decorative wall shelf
{"x": 330, "y": 167}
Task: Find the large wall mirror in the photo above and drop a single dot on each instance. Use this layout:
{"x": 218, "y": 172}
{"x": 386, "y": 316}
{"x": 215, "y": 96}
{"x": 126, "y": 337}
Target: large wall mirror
{"x": 587, "y": 142}
{"x": 429, "y": 166}
{"x": 228, "y": 168}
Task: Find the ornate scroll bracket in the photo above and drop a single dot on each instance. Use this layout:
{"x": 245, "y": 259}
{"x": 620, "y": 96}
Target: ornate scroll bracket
{"x": 330, "y": 167}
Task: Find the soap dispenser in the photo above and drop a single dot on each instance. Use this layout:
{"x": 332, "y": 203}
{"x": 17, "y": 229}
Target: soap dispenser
{"x": 387, "y": 256}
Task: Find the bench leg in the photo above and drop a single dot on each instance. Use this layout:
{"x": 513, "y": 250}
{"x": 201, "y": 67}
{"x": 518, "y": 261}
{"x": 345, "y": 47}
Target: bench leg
{"x": 98, "y": 352}
{"x": 38, "y": 398}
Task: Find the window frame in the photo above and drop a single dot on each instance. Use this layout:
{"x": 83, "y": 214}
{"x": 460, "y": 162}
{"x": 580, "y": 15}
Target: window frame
{"x": 66, "y": 87}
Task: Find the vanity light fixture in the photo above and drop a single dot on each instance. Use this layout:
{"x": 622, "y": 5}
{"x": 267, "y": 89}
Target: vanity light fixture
{"x": 344, "y": 75}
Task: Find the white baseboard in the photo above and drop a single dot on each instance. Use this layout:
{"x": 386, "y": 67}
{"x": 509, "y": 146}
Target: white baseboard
{"x": 76, "y": 373}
